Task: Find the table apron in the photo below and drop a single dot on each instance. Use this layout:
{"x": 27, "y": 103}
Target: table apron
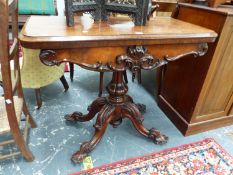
{"x": 118, "y": 58}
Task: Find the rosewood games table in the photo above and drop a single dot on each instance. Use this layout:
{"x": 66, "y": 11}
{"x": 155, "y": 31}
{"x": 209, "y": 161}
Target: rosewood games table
{"x": 114, "y": 45}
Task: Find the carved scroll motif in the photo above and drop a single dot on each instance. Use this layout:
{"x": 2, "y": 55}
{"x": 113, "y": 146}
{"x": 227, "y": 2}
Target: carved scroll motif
{"x": 47, "y": 57}
{"x": 138, "y": 58}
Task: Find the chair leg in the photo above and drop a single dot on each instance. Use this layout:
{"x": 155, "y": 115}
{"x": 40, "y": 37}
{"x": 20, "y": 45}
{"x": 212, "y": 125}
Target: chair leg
{"x": 71, "y": 71}
{"x": 27, "y": 113}
{"x": 25, "y": 108}
{"x": 125, "y": 77}
{"x": 101, "y": 83}
{"x": 38, "y": 98}
{"x": 139, "y": 74}
{"x": 19, "y": 140}
{"x": 64, "y": 83}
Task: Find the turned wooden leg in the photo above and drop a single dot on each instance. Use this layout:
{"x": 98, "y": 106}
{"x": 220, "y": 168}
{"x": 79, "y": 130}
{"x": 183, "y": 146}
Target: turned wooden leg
{"x": 71, "y": 71}
{"x": 64, "y": 82}
{"x": 111, "y": 110}
{"x": 125, "y": 77}
{"x": 104, "y": 118}
{"x": 101, "y": 84}
{"x": 139, "y": 74}
{"x": 38, "y": 98}
{"x": 131, "y": 112}
{"x": 94, "y": 108}
{"x": 19, "y": 140}
{"x": 25, "y": 108}
{"x": 27, "y": 113}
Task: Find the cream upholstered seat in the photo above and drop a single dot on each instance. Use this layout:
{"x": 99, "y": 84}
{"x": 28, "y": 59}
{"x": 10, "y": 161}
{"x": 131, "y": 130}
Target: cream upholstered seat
{"x": 34, "y": 74}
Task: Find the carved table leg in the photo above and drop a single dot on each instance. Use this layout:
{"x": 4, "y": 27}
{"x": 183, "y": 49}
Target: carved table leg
{"x": 132, "y": 112}
{"x": 111, "y": 110}
{"x": 93, "y": 109}
{"x": 104, "y": 118}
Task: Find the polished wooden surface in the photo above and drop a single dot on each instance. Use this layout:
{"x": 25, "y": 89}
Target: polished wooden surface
{"x": 114, "y": 46}
{"x": 54, "y": 30}
{"x": 203, "y": 95}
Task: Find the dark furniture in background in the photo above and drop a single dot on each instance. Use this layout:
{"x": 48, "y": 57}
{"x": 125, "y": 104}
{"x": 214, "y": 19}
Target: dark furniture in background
{"x": 202, "y": 98}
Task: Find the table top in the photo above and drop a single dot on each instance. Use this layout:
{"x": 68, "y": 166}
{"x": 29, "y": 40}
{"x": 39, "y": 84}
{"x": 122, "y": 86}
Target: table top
{"x": 41, "y": 30}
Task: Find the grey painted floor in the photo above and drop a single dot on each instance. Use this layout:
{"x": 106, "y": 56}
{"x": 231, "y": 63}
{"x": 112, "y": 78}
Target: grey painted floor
{"x": 54, "y": 141}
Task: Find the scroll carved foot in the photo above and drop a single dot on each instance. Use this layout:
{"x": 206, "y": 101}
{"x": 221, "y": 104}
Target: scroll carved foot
{"x": 157, "y": 137}
{"x": 132, "y": 112}
{"x": 74, "y": 116}
{"x": 94, "y": 108}
{"x": 81, "y": 154}
{"x": 105, "y": 116}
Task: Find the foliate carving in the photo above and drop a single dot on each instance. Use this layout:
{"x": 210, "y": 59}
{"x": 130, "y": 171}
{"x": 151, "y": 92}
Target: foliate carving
{"x": 48, "y": 57}
{"x": 138, "y": 58}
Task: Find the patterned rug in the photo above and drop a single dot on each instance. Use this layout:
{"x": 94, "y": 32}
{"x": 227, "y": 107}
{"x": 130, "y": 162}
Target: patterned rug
{"x": 203, "y": 157}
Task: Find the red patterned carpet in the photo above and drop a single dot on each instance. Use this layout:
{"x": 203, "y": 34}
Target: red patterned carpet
{"x": 205, "y": 157}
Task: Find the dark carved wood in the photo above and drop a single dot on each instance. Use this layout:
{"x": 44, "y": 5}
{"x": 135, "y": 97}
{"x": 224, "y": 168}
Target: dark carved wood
{"x": 64, "y": 83}
{"x": 136, "y": 59}
{"x": 47, "y": 57}
{"x": 139, "y": 10}
{"x": 118, "y": 105}
{"x": 111, "y": 110}
{"x": 93, "y": 109}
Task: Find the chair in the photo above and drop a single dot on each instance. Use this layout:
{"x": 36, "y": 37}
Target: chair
{"x": 34, "y": 74}
{"x": 38, "y": 7}
{"x": 12, "y": 103}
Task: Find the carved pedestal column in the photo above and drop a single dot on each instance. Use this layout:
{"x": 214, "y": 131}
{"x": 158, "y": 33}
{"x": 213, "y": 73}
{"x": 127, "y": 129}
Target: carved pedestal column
{"x": 111, "y": 110}
{"x": 118, "y": 105}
